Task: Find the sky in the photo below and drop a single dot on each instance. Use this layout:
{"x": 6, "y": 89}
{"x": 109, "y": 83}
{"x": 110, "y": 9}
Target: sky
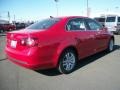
{"x": 28, "y": 10}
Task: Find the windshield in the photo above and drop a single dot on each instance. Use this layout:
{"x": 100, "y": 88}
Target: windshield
{"x": 44, "y": 24}
{"x": 118, "y": 19}
{"x": 110, "y": 19}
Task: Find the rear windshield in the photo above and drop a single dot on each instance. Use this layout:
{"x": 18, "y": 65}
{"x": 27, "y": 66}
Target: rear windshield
{"x": 118, "y": 19}
{"x": 44, "y": 24}
{"x": 110, "y": 19}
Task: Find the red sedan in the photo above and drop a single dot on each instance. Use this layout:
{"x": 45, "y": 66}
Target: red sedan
{"x": 57, "y": 43}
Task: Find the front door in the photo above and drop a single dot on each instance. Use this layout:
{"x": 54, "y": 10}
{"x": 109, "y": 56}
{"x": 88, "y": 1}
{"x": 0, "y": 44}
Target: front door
{"x": 85, "y": 38}
{"x": 95, "y": 29}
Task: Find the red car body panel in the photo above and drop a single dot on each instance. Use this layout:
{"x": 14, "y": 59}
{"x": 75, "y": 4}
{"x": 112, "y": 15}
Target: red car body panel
{"x": 52, "y": 42}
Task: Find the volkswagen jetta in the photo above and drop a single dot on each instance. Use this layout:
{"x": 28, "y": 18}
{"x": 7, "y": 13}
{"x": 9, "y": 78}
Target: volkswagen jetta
{"x": 58, "y": 43}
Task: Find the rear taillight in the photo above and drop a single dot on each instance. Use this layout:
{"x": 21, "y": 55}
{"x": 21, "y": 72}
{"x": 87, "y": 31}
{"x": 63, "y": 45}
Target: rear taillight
{"x": 29, "y": 42}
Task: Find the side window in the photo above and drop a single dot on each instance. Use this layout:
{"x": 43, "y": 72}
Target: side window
{"x": 93, "y": 25}
{"x": 75, "y": 24}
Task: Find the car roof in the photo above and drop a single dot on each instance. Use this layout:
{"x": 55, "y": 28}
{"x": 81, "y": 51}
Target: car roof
{"x": 67, "y": 17}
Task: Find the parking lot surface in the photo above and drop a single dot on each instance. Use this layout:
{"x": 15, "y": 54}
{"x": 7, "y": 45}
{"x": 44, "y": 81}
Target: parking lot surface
{"x": 97, "y": 72}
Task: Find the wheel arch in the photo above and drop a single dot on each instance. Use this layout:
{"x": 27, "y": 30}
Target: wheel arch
{"x": 71, "y": 47}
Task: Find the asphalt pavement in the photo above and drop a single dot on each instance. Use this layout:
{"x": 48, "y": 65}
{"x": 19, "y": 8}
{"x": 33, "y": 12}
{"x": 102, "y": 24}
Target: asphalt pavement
{"x": 97, "y": 72}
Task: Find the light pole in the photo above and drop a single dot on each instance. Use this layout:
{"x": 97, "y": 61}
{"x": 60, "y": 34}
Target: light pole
{"x": 56, "y": 1}
{"x": 87, "y": 7}
{"x": 14, "y": 19}
{"x": 9, "y": 16}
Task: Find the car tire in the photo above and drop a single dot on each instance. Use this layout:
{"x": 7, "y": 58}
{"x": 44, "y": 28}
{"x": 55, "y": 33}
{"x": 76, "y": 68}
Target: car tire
{"x": 110, "y": 46}
{"x": 67, "y": 61}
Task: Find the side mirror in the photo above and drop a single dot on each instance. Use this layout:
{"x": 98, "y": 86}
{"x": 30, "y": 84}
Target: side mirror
{"x": 105, "y": 28}
{"x": 103, "y": 25}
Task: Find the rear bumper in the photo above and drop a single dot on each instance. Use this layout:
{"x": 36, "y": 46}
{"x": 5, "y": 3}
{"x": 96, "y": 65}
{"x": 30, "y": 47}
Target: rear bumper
{"x": 32, "y": 61}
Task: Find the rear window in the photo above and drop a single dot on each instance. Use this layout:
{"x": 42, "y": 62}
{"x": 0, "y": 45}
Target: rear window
{"x": 44, "y": 24}
{"x": 118, "y": 19}
{"x": 110, "y": 19}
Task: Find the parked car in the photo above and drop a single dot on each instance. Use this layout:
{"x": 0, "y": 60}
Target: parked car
{"x": 20, "y": 25}
{"x": 9, "y": 27}
{"x": 101, "y": 20}
{"x": 113, "y": 23}
{"x": 57, "y": 43}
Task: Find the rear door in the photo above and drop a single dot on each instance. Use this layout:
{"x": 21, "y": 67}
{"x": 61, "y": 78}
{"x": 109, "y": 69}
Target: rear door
{"x": 100, "y": 36}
